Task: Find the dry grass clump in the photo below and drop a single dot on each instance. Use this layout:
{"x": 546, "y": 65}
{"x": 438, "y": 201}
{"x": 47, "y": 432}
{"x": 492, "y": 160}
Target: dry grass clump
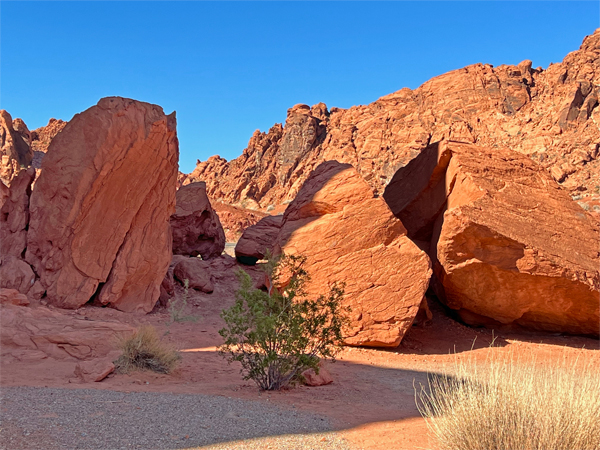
{"x": 513, "y": 403}
{"x": 145, "y": 351}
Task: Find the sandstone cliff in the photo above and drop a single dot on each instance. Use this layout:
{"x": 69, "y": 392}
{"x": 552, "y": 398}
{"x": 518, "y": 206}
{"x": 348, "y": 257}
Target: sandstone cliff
{"x": 550, "y": 115}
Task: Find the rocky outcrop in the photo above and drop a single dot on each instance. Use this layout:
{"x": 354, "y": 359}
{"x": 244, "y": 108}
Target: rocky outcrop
{"x": 360, "y": 244}
{"x": 509, "y": 246}
{"x": 41, "y": 138}
{"x": 99, "y": 225}
{"x": 15, "y": 150}
{"x": 195, "y": 225}
{"x": 550, "y": 115}
{"x": 14, "y": 216}
{"x": 258, "y": 239}
{"x": 30, "y": 334}
{"x": 235, "y": 219}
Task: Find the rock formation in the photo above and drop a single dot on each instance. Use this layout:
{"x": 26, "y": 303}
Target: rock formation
{"x": 99, "y": 225}
{"x": 550, "y": 115}
{"x": 360, "y": 244}
{"x": 509, "y": 246}
{"x": 31, "y": 334}
{"x": 195, "y": 225}
{"x": 235, "y": 219}
{"x": 41, "y": 138}
{"x": 14, "y": 216}
{"x": 258, "y": 239}
{"x": 15, "y": 150}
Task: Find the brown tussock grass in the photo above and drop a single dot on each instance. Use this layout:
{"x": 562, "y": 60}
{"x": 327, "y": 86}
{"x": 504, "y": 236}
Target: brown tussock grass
{"x": 513, "y": 403}
{"x": 145, "y": 351}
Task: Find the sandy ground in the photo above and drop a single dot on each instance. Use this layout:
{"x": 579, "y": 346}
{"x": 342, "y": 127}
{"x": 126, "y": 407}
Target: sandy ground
{"x": 371, "y": 403}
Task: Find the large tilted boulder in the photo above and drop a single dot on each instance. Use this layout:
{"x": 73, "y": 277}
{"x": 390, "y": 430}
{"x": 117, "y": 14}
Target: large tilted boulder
{"x": 15, "y": 147}
{"x": 257, "y": 240}
{"x": 350, "y": 236}
{"x": 196, "y": 226}
{"x": 509, "y": 246}
{"x": 99, "y": 224}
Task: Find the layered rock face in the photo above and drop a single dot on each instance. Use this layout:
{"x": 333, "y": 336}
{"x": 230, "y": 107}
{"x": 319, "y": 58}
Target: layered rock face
{"x": 550, "y": 115}
{"x": 509, "y": 246}
{"x": 195, "y": 225}
{"x": 361, "y": 244}
{"x": 99, "y": 213}
{"x": 15, "y": 147}
{"x": 30, "y": 334}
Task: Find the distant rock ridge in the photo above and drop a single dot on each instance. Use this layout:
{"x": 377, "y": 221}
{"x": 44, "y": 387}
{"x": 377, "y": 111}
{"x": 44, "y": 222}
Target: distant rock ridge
{"x": 550, "y": 115}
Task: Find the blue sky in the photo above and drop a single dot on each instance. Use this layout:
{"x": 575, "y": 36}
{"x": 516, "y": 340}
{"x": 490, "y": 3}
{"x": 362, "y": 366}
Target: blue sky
{"x": 231, "y": 68}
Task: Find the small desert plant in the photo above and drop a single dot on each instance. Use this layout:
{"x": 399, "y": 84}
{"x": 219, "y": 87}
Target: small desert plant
{"x": 144, "y": 350}
{"x": 512, "y": 403}
{"x": 278, "y": 334}
{"x": 177, "y": 307}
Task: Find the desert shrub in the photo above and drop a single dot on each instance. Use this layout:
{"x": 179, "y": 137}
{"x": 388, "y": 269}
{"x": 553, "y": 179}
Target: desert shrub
{"x": 177, "y": 306}
{"x": 278, "y": 333}
{"x": 145, "y": 351}
{"x": 512, "y": 403}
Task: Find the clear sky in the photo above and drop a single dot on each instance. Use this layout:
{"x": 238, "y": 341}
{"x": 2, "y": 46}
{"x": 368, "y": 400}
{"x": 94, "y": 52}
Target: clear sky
{"x": 231, "y": 68}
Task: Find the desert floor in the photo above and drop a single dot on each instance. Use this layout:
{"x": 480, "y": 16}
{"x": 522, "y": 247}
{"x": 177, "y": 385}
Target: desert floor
{"x": 370, "y": 405}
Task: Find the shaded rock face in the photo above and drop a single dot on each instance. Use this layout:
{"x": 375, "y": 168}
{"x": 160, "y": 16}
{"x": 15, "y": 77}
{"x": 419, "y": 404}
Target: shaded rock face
{"x": 361, "y": 244}
{"x": 258, "y": 239}
{"x": 550, "y": 115}
{"x": 14, "y": 216}
{"x": 195, "y": 225}
{"x": 100, "y": 209}
{"x": 509, "y": 246}
{"x": 15, "y": 149}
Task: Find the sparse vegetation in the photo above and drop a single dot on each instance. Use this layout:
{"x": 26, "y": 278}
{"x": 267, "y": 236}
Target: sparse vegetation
{"x": 177, "y": 307}
{"x": 514, "y": 403}
{"x": 278, "y": 333}
{"x": 145, "y": 351}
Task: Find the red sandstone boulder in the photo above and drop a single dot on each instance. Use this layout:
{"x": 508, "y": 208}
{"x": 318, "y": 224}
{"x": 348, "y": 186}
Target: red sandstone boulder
{"x": 100, "y": 209}
{"x": 95, "y": 370}
{"x": 195, "y": 225}
{"x": 12, "y": 297}
{"x": 312, "y": 378}
{"x": 350, "y": 236}
{"x": 15, "y": 150}
{"x": 509, "y": 245}
{"x": 16, "y": 274}
{"x": 14, "y": 215}
{"x": 196, "y": 272}
{"x": 258, "y": 239}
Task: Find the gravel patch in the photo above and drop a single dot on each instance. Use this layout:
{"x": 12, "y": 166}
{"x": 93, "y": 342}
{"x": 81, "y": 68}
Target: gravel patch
{"x": 47, "y": 418}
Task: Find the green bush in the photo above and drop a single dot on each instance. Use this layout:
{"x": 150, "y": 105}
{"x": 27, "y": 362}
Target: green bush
{"x": 278, "y": 333}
